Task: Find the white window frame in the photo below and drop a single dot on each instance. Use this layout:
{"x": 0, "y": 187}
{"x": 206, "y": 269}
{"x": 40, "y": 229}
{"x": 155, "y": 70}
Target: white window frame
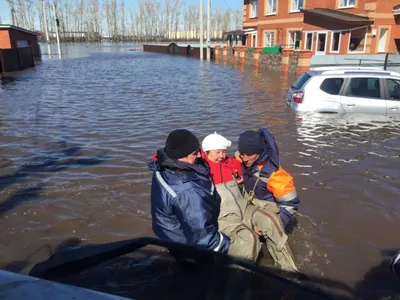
{"x": 326, "y": 42}
{"x": 305, "y": 40}
{"x": 265, "y": 38}
{"x": 267, "y": 12}
{"x": 379, "y": 39}
{"x": 346, "y": 4}
{"x": 365, "y": 40}
{"x": 340, "y": 41}
{"x": 288, "y": 39}
{"x": 296, "y": 9}
{"x": 253, "y": 14}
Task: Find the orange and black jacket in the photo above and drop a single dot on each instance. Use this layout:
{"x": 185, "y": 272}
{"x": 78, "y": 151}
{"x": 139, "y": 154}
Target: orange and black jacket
{"x": 270, "y": 182}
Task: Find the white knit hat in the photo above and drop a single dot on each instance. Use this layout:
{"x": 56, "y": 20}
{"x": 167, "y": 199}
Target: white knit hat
{"x": 215, "y": 142}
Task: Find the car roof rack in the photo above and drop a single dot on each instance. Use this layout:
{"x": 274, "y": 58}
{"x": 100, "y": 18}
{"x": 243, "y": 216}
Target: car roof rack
{"x": 366, "y": 72}
{"x": 336, "y": 68}
{"x": 342, "y": 70}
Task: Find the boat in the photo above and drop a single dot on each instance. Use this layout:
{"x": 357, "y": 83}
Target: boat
{"x": 150, "y": 268}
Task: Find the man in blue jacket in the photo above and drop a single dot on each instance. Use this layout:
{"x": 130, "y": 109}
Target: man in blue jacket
{"x": 184, "y": 203}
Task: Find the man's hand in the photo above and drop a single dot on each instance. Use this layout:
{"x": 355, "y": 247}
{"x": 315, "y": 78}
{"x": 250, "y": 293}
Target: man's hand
{"x": 238, "y": 179}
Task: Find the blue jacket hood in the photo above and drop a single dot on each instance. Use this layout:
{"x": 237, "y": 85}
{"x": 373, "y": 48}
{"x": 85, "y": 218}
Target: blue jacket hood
{"x": 162, "y": 161}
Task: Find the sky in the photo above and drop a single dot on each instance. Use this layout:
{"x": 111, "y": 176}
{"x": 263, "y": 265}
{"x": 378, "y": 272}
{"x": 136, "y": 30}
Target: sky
{"x": 232, "y": 4}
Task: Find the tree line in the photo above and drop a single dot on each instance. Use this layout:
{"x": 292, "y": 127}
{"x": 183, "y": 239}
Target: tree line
{"x": 144, "y": 20}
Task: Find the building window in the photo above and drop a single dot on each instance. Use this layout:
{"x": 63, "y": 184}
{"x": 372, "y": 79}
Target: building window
{"x": 22, "y": 44}
{"x": 294, "y": 39}
{"x": 254, "y": 8}
{"x": 271, "y": 7}
{"x": 321, "y": 42}
{"x": 296, "y": 5}
{"x": 269, "y": 38}
{"x": 347, "y": 3}
{"x": 357, "y": 40}
{"x": 309, "y": 40}
{"x": 382, "y": 39}
{"x": 335, "y": 41}
{"x": 254, "y": 40}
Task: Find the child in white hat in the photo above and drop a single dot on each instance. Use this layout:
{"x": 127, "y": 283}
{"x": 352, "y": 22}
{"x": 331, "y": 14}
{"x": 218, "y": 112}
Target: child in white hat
{"x": 222, "y": 167}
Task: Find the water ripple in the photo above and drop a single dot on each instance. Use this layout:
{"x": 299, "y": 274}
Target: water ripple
{"x": 77, "y": 135}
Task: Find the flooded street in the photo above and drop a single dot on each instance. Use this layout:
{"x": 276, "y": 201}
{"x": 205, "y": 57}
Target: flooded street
{"x": 76, "y": 135}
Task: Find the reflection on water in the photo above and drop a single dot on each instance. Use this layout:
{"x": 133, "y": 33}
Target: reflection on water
{"x": 50, "y": 52}
{"x": 76, "y": 135}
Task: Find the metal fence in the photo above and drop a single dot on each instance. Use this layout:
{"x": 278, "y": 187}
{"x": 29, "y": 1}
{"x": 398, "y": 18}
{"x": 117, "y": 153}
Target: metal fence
{"x": 390, "y": 62}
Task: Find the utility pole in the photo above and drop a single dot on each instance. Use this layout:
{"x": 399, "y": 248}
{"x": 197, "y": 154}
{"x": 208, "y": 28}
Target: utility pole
{"x": 56, "y": 23}
{"x": 201, "y": 29}
{"x": 208, "y": 30}
{"x": 46, "y": 26}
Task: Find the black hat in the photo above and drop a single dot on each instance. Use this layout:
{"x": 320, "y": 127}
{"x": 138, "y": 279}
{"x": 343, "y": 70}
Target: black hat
{"x": 250, "y": 142}
{"x": 181, "y": 143}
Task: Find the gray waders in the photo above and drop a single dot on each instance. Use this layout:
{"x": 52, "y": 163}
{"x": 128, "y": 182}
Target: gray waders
{"x": 238, "y": 219}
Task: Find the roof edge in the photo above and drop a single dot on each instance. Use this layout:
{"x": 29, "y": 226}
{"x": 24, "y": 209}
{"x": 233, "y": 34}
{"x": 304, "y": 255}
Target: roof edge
{"x": 313, "y": 11}
{"x": 5, "y": 26}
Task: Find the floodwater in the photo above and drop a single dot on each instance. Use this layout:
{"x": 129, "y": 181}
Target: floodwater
{"x": 76, "y": 135}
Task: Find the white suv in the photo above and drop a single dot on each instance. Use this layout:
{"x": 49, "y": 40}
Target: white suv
{"x": 346, "y": 90}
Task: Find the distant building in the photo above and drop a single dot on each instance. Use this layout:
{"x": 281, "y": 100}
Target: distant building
{"x": 324, "y": 27}
{"x": 17, "y": 37}
{"x": 19, "y": 48}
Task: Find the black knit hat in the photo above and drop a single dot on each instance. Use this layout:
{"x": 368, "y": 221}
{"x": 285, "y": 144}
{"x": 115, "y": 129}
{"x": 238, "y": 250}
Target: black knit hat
{"x": 250, "y": 142}
{"x": 181, "y": 143}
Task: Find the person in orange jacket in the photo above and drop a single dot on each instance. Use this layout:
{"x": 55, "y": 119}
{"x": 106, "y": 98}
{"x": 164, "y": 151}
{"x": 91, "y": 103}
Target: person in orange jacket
{"x": 265, "y": 181}
{"x": 243, "y": 222}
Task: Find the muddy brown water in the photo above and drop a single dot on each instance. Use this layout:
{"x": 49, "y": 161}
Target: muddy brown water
{"x": 76, "y": 135}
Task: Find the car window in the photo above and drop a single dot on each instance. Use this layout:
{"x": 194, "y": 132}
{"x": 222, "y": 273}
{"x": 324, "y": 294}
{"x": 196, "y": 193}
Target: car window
{"x": 364, "y": 87}
{"x": 332, "y": 86}
{"x": 393, "y": 87}
{"x": 301, "y": 81}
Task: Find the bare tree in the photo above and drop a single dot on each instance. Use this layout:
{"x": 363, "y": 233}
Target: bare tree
{"x": 144, "y": 20}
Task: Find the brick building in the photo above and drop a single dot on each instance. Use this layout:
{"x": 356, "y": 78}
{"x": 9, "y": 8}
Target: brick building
{"x": 17, "y": 37}
{"x": 18, "y": 48}
{"x": 324, "y": 26}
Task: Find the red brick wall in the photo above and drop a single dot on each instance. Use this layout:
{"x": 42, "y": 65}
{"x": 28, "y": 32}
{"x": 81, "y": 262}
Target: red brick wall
{"x": 154, "y": 48}
{"x": 384, "y": 18}
{"x": 16, "y": 35}
{"x": 378, "y": 10}
{"x": 195, "y": 52}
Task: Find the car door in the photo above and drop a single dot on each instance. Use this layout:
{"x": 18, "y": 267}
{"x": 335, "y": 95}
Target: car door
{"x": 363, "y": 95}
{"x": 392, "y": 96}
